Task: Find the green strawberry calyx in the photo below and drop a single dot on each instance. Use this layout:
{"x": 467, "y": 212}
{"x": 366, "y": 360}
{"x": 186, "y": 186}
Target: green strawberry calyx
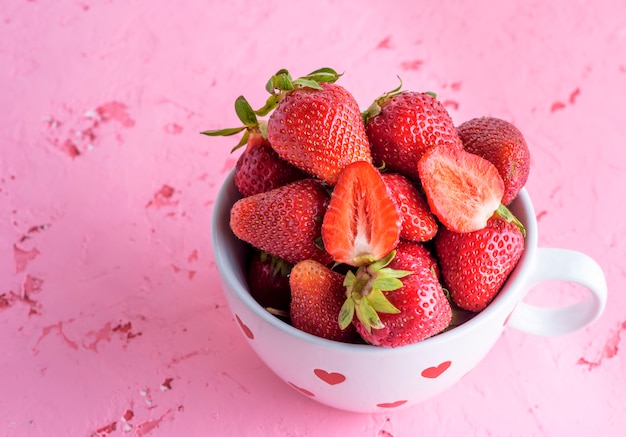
{"x": 365, "y": 295}
{"x": 376, "y": 107}
{"x": 279, "y": 84}
{"x": 282, "y": 82}
{"x": 251, "y": 125}
{"x": 278, "y": 266}
{"x": 505, "y": 214}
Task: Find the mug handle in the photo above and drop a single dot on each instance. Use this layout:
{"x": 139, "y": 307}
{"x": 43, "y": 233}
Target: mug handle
{"x": 553, "y": 264}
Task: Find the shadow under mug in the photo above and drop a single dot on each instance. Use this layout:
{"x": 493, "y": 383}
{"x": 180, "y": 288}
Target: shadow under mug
{"x": 364, "y": 378}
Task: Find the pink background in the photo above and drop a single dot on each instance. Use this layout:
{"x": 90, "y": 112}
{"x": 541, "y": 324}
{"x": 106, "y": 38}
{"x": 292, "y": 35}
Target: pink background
{"x": 111, "y": 318}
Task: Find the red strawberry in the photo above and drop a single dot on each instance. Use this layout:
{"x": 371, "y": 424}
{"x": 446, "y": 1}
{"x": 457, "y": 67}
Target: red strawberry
{"x": 418, "y": 223}
{"x": 285, "y": 222}
{"x": 501, "y": 143}
{"x": 317, "y": 294}
{"x": 422, "y": 308}
{"x": 260, "y": 169}
{"x": 268, "y": 280}
{"x": 361, "y": 224}
{"x": 401, "y": 126}
{"x": 316, "y": 126}
{"x": 462, "y": 189}
{"x": 474, "y": 265}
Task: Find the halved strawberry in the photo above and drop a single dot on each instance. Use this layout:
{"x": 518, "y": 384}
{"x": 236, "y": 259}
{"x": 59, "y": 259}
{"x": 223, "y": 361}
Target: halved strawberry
{"x": 361, "y": 224}
{"x": 502, "y": 143}
{"x": 463, "y": 189}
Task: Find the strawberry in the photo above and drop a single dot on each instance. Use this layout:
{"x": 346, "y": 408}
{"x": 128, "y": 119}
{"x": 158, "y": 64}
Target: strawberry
{"x": 421, "y": 306}
{"x": 258, "y": 168}
{"x": 475, "y": 265}
{"x": 361, "y": 224}
{"x": 268, "y": 281}
{"x": 317, "y": 294}
{"x": 285, "y": 222}
{"x": 502, "y": 144}
{"x": 462, "y": 189}
{"x": 315, "y": 124}
{"x": 417, "y": 222}
{"x": 402, "y": 125}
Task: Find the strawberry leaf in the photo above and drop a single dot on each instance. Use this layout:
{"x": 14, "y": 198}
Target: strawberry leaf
{"x": 323, "y": 75}
{"x": 368, "y": 316}
{"x": 375, "y": 108}
{"x": 305, "y": 82}
{"x": 505, "y": 214}
{"x": 281, "y": 81}
{"x": 245, "y": 112}
{"x": 270, "y": 105}
{"x": 387, "y": 284}
{"x": 269, "y": 86}
{"x": 349, "y": 279}
{"x": 391, "y": 273}
{"x": 243, "y": 141}
{"x": 379, "y": 302}
{"x": 223, "y": 132}
{"x": 383, "y": 262}
{"x": 346, "y": 314}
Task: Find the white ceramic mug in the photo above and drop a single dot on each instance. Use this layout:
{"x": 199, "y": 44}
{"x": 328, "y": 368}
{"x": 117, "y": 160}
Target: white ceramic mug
{"x": 364, "y": 378}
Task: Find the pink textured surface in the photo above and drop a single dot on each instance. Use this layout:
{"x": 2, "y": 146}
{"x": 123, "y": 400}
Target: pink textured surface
{"x": 111, "y": 319}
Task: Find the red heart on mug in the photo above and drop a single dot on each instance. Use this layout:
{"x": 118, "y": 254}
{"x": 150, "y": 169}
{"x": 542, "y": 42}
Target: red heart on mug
{"x": 331, "y": 378}
{"x": 245, "y": 328}
{"x": 301, "y": 390}
{"x": 391, "y": 404}
{"x": 434, "y": 372}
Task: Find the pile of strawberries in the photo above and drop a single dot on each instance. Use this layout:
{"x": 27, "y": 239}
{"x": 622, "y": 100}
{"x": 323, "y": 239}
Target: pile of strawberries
{"x": 385, "y": 226}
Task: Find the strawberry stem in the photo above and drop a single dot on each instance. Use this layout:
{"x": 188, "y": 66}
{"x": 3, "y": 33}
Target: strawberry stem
{"x": 278, "y": 313}
{"x": 364, "y": 293}
{"x": 282, "y": 82}
{"x": 245, "y": 112}
{"x": 505, "y": 214}
{"x": 223, "y": 132}
{"x": 375, "y": 108}
{"x": 347, "y": 313}
{"x": 278, "y": 266}
{"x": 279, "y": 84}
{"x": 251, "y": 125}
{"x": 324, "y": 75}
{"x": 368, "y": 316}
